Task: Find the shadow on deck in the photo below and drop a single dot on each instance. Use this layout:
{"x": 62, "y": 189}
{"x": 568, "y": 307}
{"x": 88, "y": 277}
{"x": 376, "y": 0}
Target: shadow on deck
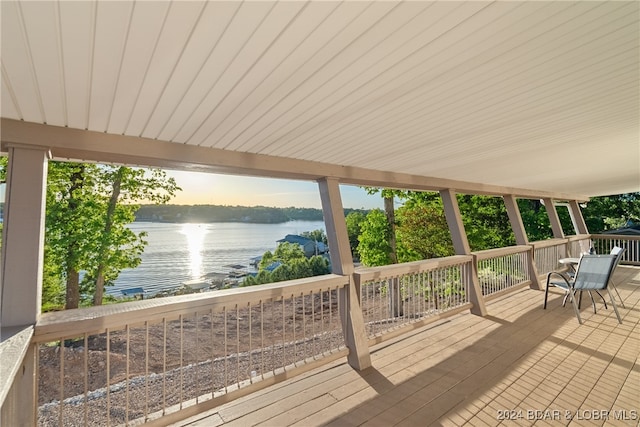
{"x": 520, "y": 365}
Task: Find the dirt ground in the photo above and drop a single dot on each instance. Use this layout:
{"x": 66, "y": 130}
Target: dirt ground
{"x": 164, "y": 369}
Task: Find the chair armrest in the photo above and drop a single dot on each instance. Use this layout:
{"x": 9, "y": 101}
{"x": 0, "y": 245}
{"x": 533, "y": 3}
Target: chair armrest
{"x": 562, "y": 276}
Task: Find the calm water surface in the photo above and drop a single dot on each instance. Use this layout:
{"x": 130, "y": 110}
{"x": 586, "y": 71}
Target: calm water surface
{"x": 180, "y": 252}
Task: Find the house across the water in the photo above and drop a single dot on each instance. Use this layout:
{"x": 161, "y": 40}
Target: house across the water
{"x": 309, "y": 246}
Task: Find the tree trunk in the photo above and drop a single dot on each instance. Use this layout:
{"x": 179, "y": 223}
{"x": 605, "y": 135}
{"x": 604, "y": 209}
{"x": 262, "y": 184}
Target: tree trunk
{"x": 73, "y": 275}
{"x": 396, "y": 306}
{"x": 73, "y": 289}
{"x": 99, "y": 293}
{"x": 104, "y": 247}
{"x": 391, "y": 219}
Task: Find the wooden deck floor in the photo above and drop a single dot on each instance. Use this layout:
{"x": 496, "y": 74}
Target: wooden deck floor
{"x": 520, "y": 365}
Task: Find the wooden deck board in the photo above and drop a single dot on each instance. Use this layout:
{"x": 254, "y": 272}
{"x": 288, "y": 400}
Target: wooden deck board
{"x": 524, "y": 363}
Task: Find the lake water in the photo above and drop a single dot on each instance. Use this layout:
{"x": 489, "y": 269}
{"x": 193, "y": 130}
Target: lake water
{"x": 176, "y": 253}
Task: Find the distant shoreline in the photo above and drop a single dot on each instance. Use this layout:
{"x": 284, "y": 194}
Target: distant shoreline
{"x": 224, "y": 214}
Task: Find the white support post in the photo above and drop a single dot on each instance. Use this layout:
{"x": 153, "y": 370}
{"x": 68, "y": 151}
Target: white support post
{"x": 21, "y": 271}
{"x": 576, "y": 214}
{"x": 23, "y": 236}
{"x": 554, "y": 219}
{"x": 516, "y": 219}
{"x": 521, "y": 236}
{"x": 342, "y": 263}
{"x": 461, "y": 246}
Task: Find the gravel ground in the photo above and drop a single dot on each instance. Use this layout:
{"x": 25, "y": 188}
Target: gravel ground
{"x": 127, "y": 401}
{"x": 199, "y": 364}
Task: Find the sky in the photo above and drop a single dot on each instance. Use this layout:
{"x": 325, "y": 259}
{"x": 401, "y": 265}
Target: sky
{"x": 214, "y": 189}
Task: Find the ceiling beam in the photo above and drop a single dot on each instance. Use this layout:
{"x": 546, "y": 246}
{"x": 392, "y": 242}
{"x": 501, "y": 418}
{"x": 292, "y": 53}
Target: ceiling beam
{"x": 91, "y": 146}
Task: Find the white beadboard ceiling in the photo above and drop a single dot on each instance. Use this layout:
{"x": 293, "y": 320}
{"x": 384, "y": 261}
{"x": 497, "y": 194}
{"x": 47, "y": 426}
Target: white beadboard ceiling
{"x": 537, "y": 95}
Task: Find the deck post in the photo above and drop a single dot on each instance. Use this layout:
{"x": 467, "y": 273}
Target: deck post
{"x": 23, "y": 236}
{"x": 21, "y": 269}
{"x": 342, "y": 263}
{"x": 461, "y": 246}
{"x": 576, "y": 214}
{"x": 554, "y": 219}
{"x": 521, "y": 237}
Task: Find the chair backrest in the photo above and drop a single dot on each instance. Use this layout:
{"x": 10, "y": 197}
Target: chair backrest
{"x": 594, "y": 271}
{"x": 618, "y": 252}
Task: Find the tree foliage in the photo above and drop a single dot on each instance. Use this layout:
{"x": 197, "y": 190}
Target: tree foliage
{"x": 119, "y": 247}
{"x": 88, "y": 207}
{"x": 373, "y": 245}
{"x": 535, "y": 220}
{"x": 485, "y": 221}
{"x": 423, "y": 231}
{"x": 611, "y": 212}
{"x": 316, "y": 235}
{"x": 290, "y": 263}
{"x": 354, "y": 225}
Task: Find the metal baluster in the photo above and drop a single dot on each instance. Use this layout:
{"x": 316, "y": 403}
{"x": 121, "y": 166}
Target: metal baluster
{"x": 126, "y": 410}
{"x": 146, "y": 371}
{"x": 86, "y": 379}
{"x": 62, "y": 381}
{"x": 108, "y": 378}
{"x": 197, "y": 365}
{"x": 226, "y": 353}
{"x": 238, "y": 345}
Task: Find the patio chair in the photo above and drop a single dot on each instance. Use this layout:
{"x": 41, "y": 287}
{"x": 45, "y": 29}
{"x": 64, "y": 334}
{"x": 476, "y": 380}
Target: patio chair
{"x": 618, "y": 252}
{"x": 592, "y": 274}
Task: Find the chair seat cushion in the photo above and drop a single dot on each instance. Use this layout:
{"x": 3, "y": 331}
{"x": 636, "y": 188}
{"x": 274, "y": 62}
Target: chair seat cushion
{"x": 560, "y": 284}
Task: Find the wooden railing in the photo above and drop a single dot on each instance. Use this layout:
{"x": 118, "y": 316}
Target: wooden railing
{"x": 503, "y": 269}
{"x": 173, "y": 357}
{"x": 161, "y": 360}
{"x": 546, "y": 254}
{"x": 603, "y": 244}
{"x": 579, "y": 245}
{"x": 394, "y": 296}
{"x": 17, "y": 366}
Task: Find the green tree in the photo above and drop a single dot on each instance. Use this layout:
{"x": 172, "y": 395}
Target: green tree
{"x": 287, "y": 252}
{"x": 354, "y": 222}
{"x": 281, "y": 273}
{"x": 70, "y": 225}
{"x": 300, "y": 268}
{"x": 423, "y": 231}
{"x": 485, "y": 221}
{"x": 101, "y": 201}
{"x": 118, "y": 246}
{"x": 373, "y": 245}
{"x": 535, "y": 220}
{"x": 266, "y": 260}
{"x": 611, "y": 212}
{"x": 388, "y": 197}
{"x": 319, "y": 265}
{"x": 316, "y": 235}
{"x": 87, "y": 209}
{"x": 293, "y": 265}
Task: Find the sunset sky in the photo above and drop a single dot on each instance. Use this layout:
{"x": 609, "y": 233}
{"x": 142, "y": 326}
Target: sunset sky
{"x": 205, "y": 188}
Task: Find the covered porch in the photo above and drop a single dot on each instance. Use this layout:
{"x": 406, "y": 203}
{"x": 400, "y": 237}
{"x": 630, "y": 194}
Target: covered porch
{"x": 514, "y": 100}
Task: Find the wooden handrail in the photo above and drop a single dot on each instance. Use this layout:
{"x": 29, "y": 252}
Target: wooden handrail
{"x": 615, "y": 237}
{"x": 13, "y": 349}
{"x": 548, "y": 243}
{"x": 71, "y": 323}
{"x": 498, "y": 252}
{"x": 374, "y": 273}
